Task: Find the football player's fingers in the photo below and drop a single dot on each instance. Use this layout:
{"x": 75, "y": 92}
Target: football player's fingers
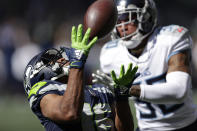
{"x": 93, "y": 74}
{"x": 129, "y": 69}
{"x": 86, "y": 37}
{"x": 108, "y": 78}
{"x": 136, "y": 75}
{"x": 98, "y": 71}
{"x": 102, "y": 74}
{"x": 112, "y": 84}
{"x": 73, "y": 35}
{"x": 133, "y": 72}
{"x": 92, "y": 42}
{"x": 79, "y": 33}
{"x": 105, "y": 76}
{"x": 122, "y": 71}
{"x": 94, "y": 81}
{"x": 98, "y": 77}
{"x": 113, "y": 75}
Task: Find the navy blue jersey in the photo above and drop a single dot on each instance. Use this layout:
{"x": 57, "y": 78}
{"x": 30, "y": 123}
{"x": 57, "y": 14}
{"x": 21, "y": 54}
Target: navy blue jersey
{"x": 96, "y": 116}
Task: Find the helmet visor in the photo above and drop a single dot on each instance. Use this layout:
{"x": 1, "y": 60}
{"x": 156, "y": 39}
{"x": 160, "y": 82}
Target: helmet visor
{"x": 51, "y": 56}
{"x": 127, "y": 17}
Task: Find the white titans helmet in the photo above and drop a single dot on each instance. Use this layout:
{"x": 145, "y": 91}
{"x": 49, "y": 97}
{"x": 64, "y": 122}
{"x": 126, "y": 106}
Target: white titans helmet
{"x": 143, "y": 13}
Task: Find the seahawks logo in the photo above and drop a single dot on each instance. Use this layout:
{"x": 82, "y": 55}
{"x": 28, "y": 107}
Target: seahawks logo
{"x": 27, "y": 84}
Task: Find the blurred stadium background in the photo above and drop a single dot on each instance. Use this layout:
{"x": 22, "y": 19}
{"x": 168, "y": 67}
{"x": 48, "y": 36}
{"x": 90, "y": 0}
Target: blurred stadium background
{"x": 28, "y": 26}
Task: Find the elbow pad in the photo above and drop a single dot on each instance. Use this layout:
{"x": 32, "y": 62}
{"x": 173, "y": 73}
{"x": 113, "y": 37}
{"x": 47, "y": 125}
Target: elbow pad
{"x": 173, "y": 91}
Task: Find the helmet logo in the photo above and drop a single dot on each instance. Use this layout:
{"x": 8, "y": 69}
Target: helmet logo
{"x": 27, "y": 74}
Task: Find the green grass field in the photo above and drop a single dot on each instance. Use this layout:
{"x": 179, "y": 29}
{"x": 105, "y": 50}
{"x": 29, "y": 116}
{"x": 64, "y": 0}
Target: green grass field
{"x": 15, "y": 114}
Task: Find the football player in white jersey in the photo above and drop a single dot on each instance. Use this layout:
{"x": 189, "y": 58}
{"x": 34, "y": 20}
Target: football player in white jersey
{"x": 163, "y": 89}
{"x": 53, "y": 82}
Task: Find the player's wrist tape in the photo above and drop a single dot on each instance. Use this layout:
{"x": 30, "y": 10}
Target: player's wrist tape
{"x": 77, "y": 64}
{"x": 77, "y": 58}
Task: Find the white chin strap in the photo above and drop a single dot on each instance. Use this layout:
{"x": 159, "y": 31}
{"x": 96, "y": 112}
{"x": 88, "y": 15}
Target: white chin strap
{"x": 135, "y": 40}
{"x": 131, "y": 44}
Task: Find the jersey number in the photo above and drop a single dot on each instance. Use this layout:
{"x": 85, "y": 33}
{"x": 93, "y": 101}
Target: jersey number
{"x": 165, "y": 110}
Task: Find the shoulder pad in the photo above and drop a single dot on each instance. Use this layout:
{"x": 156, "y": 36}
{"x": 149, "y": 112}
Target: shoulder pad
{"x": 174, "y": 30}
{"x": 43, "y": 87}
{"x": 111, "y": 44}
{"x": 39, "y": 88}
{"x": 36, "y": 87}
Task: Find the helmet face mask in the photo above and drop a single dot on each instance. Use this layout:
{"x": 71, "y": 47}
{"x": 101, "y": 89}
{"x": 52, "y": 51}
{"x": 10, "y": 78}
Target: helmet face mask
{"x": 141, "y": 13}
{"x": 44, "y": 66}
{"x": 50, "y": 56}
{"x": 127, "y": 17}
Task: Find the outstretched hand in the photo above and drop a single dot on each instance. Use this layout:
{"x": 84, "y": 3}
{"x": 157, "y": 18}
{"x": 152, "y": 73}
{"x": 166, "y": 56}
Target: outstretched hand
{"x": 79, "y": 42}
{"x": 80, "y": 47}
{"x": 127, "y": 78}
{"x": 124, "y": 82}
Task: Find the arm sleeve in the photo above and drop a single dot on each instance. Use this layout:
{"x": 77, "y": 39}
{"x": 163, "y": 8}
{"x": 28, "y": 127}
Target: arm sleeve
{"x": 171, "y": 92}
{"x": 174, "y": 90}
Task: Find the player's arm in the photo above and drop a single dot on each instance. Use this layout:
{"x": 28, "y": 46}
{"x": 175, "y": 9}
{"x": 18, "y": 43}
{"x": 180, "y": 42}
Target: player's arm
{"x": 174, "y": 90}
{"x": 68, "y": 108}
{"x": 178, "y": 69}
{"x": 180, "y": 62}
{"x": 120, "y": 88}
{"x": 123, "y": 116}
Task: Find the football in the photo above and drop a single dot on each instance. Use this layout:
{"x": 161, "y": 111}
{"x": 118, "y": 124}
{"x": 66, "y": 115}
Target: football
{"x": 101, "y": 17}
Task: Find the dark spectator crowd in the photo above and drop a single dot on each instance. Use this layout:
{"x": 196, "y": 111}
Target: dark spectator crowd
{"x": 29, "y": 26}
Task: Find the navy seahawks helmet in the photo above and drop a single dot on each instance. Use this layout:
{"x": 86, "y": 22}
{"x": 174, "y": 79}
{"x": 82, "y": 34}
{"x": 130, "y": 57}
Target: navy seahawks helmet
{"x": 44, "y": 66}
{"x": 141, "y": 12}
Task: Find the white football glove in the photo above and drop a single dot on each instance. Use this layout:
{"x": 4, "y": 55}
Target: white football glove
{"x": 102, "y": 78}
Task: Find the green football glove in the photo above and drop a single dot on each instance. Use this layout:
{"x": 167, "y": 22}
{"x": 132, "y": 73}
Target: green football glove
{"x": 80, "y": 47}
{"x": 81, "y": 43}
{"x": 124, "y": 82}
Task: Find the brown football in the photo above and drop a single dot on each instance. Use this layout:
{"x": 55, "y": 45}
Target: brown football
{"x": 101, "y": 17}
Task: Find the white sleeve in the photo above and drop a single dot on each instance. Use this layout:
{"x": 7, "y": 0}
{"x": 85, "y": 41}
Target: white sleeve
{"x": 171, "y": 92}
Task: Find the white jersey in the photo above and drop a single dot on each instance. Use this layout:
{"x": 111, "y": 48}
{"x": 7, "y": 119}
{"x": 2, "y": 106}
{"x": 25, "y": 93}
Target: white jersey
{"x": 153, "y": 66}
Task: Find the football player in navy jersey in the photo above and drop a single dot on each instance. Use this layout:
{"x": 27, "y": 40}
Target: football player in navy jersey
{"x": 163, "y": 89}
{"x": 53, "y": 82}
